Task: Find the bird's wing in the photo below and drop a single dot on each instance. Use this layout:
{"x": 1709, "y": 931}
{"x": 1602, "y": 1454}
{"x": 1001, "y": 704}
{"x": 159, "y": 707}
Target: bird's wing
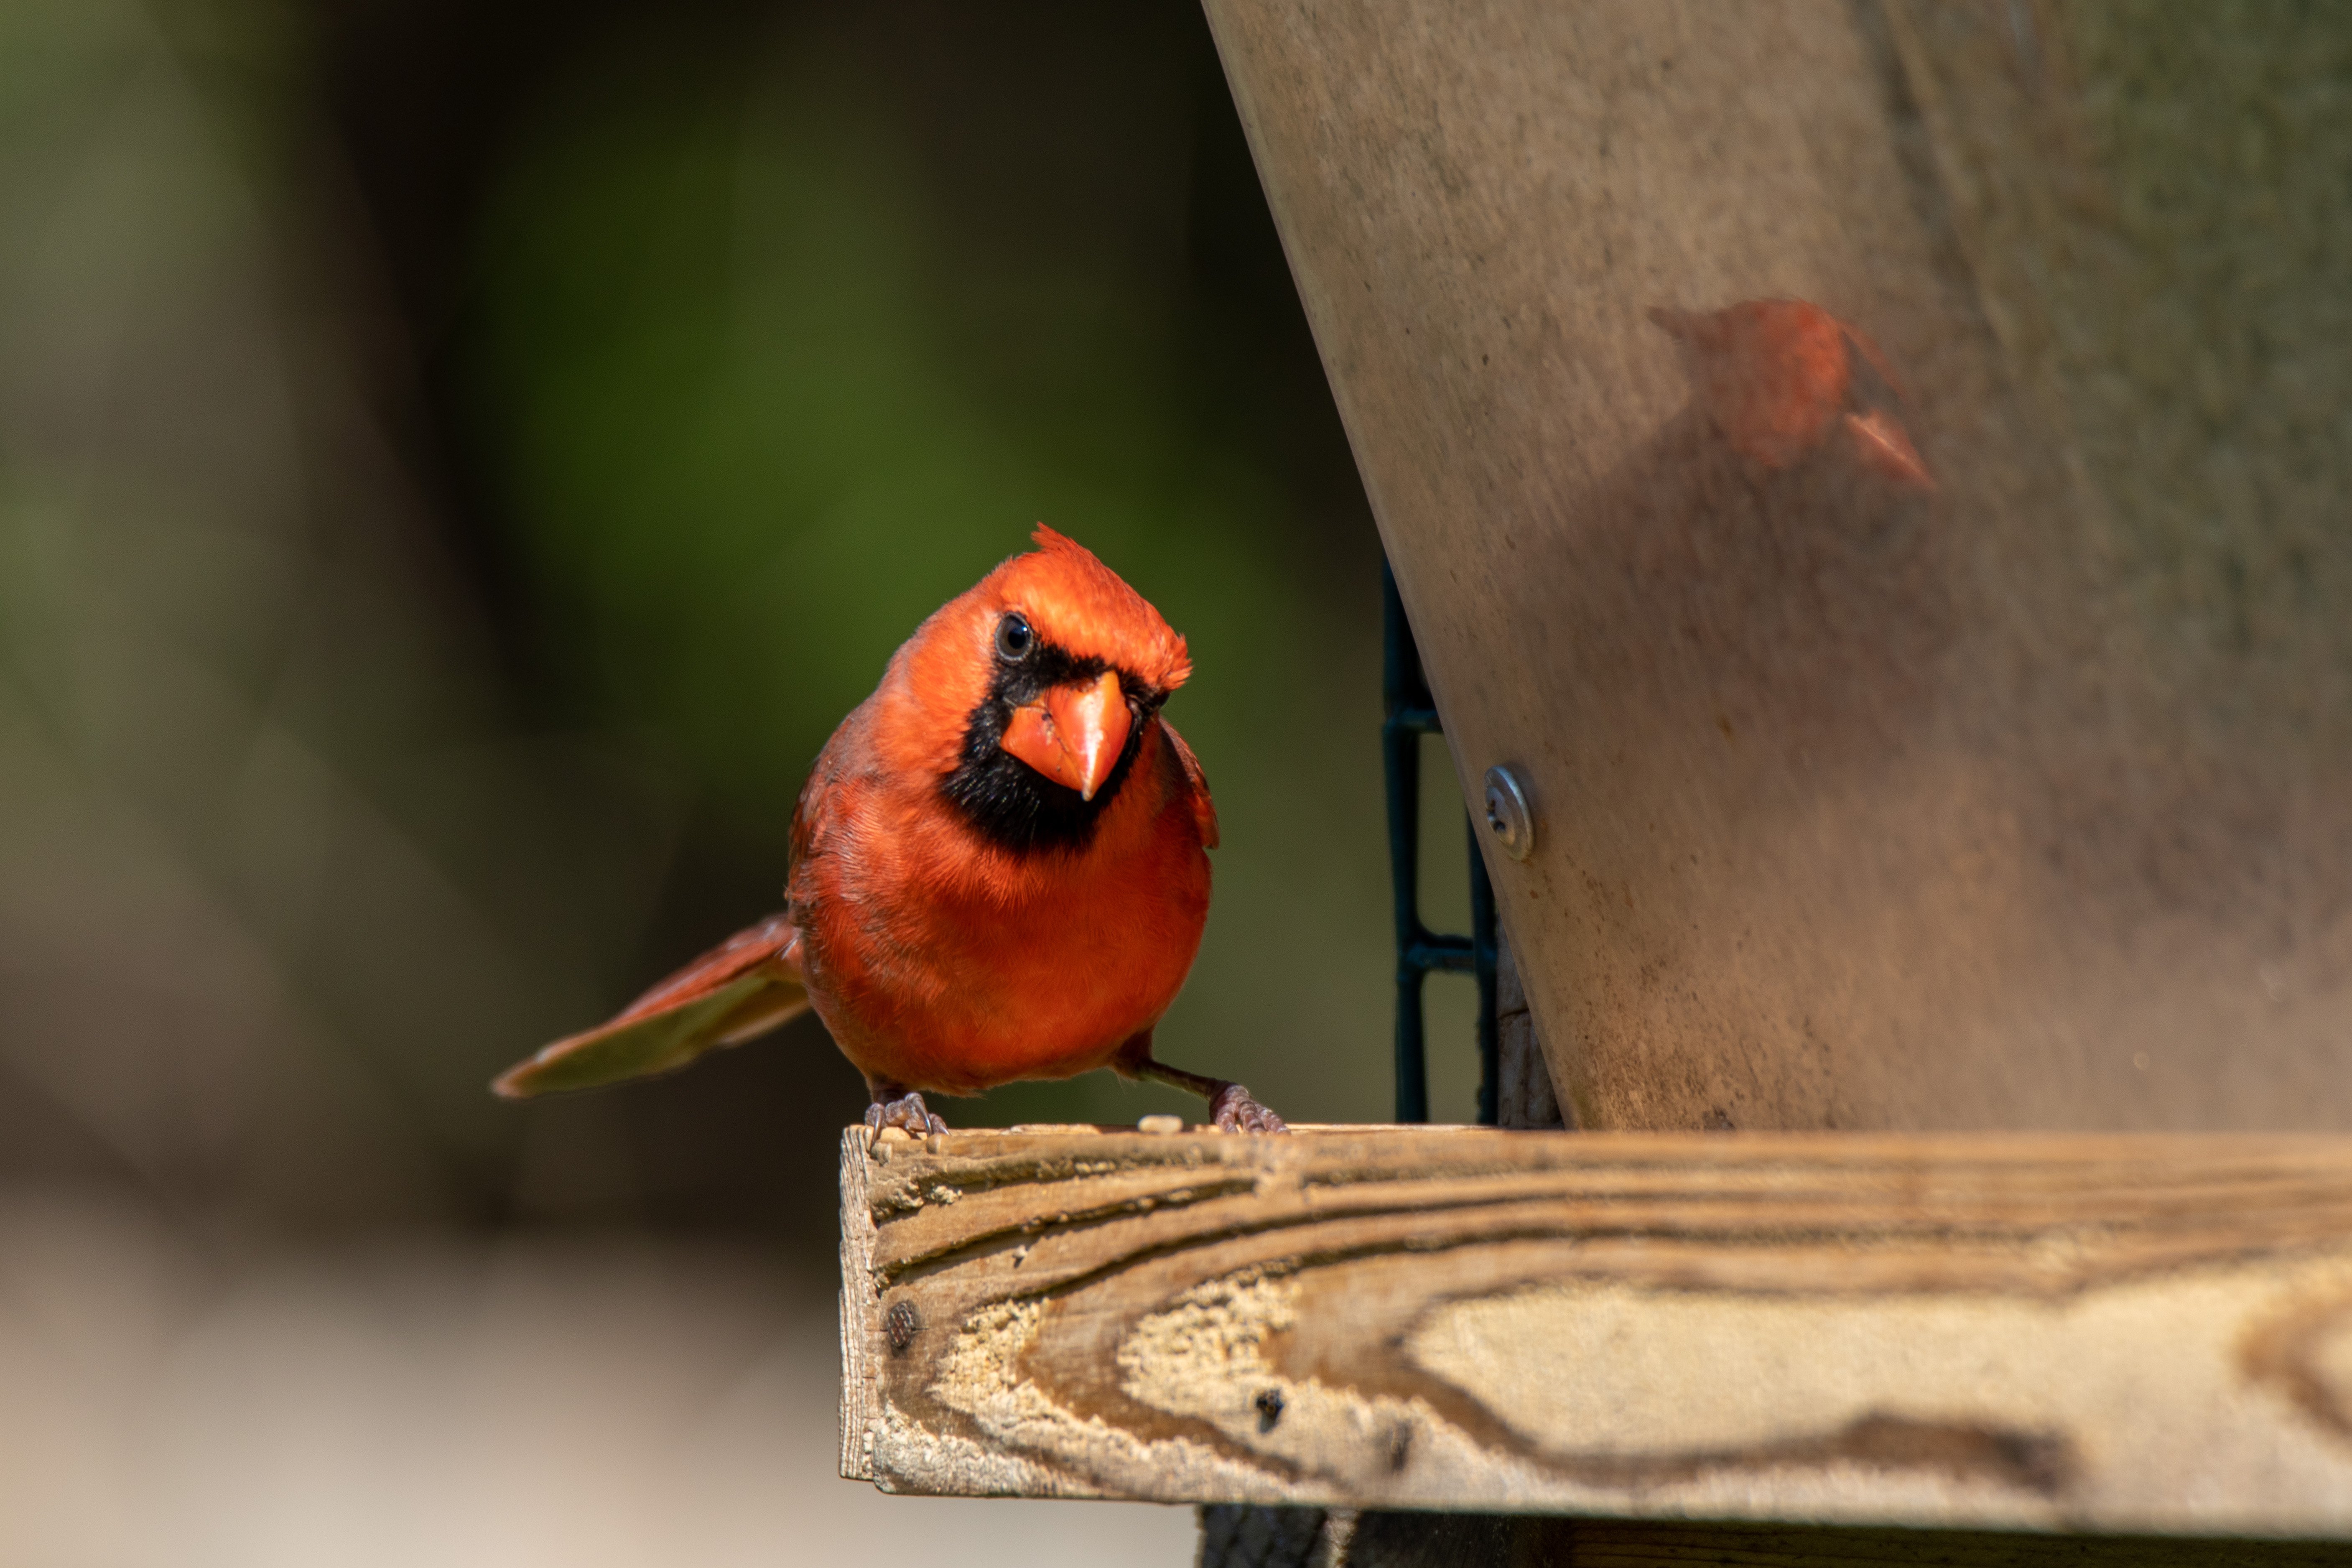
{"x": 744, "y": 987}
{"x": 1204, "y": 810}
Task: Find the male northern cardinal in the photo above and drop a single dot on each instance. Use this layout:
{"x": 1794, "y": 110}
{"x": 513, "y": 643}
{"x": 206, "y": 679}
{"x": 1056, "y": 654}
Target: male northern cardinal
{"x": 999, "y": 867}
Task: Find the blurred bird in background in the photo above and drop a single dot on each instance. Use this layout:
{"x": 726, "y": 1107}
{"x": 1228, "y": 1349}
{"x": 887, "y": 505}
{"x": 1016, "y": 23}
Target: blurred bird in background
{"x": 1782, "y": 378}
{"x": 999, "y": 867}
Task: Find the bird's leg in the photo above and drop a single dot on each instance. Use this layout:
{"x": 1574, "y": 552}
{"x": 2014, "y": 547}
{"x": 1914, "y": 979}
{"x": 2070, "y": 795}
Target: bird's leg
{"x": 1230, "y": 1105}
{"x": 896, "y": 1106}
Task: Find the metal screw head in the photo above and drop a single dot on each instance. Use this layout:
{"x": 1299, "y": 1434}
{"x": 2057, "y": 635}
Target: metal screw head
{"x": 900, "y": 1324}
{"x": 1508, "y": 815}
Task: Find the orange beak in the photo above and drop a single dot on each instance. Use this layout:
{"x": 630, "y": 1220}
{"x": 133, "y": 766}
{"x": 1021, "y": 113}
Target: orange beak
{"x": 1074, "y": 733}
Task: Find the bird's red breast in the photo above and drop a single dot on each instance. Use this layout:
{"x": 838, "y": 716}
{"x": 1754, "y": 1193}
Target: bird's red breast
{"x": 972, "y": 912}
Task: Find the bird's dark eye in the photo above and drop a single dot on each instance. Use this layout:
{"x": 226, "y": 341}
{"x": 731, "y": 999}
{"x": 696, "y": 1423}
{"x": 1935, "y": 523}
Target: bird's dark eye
{"x": 1015, "y": 639}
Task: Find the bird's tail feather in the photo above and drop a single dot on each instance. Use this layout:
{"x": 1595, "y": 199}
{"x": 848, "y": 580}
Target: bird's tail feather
{"x": 747, "y": 985}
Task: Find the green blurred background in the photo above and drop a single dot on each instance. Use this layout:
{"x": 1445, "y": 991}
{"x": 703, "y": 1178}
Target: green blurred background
{"x": 459, "y": 459}
{"x": 457, "y": 462}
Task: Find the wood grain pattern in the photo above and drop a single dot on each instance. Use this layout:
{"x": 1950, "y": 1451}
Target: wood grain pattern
{"x": 2122, "y": 1332}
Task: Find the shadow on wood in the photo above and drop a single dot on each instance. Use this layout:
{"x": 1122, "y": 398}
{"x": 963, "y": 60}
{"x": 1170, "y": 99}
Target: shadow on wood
{"x": 1313, "y": 1538}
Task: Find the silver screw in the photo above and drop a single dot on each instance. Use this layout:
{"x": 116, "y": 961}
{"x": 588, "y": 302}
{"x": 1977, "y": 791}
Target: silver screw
{"x": 1508, "y": 815}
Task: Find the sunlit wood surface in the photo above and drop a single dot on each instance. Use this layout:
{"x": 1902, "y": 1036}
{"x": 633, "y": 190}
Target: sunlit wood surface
{"x": 2078, "y": 1333}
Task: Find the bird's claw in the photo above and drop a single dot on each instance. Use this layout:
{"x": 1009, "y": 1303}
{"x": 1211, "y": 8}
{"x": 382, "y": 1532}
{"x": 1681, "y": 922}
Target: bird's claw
{"x": 908, "y": 1113}
{"x": 1233, "y": 1110}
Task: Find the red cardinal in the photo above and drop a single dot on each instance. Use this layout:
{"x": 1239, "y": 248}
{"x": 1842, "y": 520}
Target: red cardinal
{"x": 999, "y": 871}
{"x": 1779, "y": 376}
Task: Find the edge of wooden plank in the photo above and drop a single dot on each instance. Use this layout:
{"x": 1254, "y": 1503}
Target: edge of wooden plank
{"x": 859, "y": 1309}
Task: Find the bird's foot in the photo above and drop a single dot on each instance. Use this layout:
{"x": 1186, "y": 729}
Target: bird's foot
{"x": 907, "y": 1113}
{"x": 1233, "y": 1110}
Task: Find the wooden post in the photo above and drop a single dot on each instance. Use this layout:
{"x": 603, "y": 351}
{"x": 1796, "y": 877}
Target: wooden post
{"x": 1524, "y": 1096}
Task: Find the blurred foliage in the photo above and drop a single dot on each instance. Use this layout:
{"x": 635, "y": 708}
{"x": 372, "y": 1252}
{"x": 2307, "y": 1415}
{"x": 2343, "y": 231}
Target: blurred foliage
{"x": 277, "y": 879}
{"x": 457, "y": 464}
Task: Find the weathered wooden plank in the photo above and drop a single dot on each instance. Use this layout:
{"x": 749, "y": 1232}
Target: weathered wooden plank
{"x": 2111, "y": 1332}
{"x": 2014, "y": 802}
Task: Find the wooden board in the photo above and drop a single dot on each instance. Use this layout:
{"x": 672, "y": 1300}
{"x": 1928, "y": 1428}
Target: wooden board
{"x": 2118, "y": 1333}
{"x": 2018, "y": 802}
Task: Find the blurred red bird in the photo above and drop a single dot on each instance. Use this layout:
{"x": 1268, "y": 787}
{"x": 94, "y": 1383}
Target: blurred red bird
{"x": 999, "y": 867}
{"x": 1782, "y": 378}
